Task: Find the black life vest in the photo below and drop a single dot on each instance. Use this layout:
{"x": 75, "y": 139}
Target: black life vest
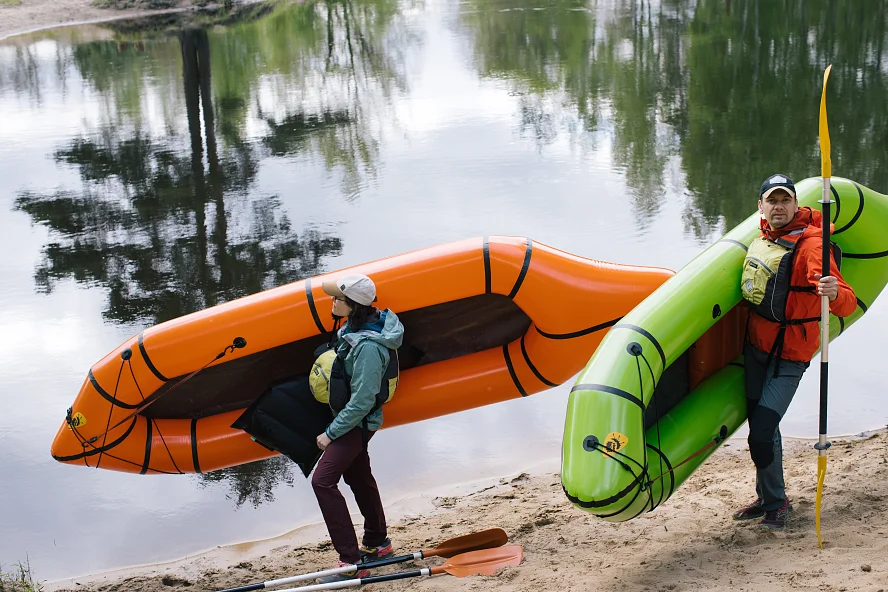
{"x": 340, "y": 382}
{"x": 766, "y": 283}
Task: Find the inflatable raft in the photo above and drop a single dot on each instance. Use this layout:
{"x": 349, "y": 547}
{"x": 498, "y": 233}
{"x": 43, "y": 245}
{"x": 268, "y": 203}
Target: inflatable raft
{"x": 486, "y": 320}
{"x": 665, "y": 386}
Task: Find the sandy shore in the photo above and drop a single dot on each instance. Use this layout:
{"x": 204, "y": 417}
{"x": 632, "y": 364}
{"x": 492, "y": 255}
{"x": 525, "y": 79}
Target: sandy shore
{"x": 690, "y": 543}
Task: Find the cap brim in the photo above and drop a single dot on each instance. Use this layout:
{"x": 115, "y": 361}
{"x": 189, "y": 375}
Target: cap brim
{"x": 775, "y": 188}
{"x": 332, "y": 289}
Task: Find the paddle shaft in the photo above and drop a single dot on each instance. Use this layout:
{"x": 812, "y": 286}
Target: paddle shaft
{"x": 486, "y": 539}
{"x": 327, "y": 572}
{"x": 425, "y": 571}
{"x": 826, "y": 202}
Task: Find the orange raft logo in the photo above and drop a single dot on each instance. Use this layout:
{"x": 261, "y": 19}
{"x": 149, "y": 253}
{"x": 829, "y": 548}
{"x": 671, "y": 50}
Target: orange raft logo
{"x": 77, "y": 420}
{"x": 614, "y": 442}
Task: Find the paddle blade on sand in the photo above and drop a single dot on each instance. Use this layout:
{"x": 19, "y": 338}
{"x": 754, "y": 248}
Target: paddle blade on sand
{"x": 486, "y": 539}
{"x": 485, "y": 562}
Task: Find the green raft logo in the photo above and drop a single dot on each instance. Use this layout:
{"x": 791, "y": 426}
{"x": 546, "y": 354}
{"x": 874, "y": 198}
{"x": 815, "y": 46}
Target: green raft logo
{"x": 614, "y": 442}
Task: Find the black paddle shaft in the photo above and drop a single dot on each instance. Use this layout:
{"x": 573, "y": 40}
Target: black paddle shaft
{"x": 247, "y": 588}
{"x": 368, "y": 565}
{"x": 395, "y": 576}
{"x": 825, "y": 271}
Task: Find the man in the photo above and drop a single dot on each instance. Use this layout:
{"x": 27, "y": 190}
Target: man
{"x": 782, "y": 282}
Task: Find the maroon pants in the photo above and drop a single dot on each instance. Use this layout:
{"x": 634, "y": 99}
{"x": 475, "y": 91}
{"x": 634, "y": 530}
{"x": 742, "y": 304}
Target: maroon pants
{"x": 346, "y": 457}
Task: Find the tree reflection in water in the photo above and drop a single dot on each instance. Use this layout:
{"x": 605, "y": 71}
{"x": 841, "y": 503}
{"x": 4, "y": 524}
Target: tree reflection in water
{"x": 709, "y": 96}
{"x": 715, "y": 94}
{"x": 170, "y": 223}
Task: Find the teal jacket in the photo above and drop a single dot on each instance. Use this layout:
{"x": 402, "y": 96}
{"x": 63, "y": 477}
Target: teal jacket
{"x": 365, "y": 364}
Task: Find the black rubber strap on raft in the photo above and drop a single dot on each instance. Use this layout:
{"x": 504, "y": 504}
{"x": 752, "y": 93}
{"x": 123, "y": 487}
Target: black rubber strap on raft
{"x": 528, "y": 252}
{"x": 607, "y": 501}
{"x": 512, "y": 371}
{"x": 486, "y": 250}
{"x": 856, "y": 214}
{"x": 878, "y": 255}
{"x": 148, "y": 439}
{"x": 610, "y": 390}
{"x": 626, "y": 507}
{"x": 580, "y": 333}
{"x": 650, "y": 338}
{"x": 835, "y": 194}
{"x": 734, "y": 242}
{"x": 862, "y": 305}
{"x": 148, "y": 362}
{"x": 669, "y": 471}
{"x": 100, "y": 449}
{"x": 106, "y": 396}
{"x": 194, "y": 459}
{"x": 309, "y": 297}
{"x": 532, "y": 367}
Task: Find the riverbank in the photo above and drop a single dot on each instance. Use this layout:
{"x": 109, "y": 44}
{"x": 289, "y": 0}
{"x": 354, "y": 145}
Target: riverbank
{"x": 26, "y": 16}
{"x": 690, "y": 543}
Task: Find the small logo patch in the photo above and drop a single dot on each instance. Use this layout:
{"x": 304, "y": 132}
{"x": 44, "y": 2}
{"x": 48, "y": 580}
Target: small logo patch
{"x": 614, "y": 442}
{"x": 747, "y": 285}
{"x": 77, "y": 421}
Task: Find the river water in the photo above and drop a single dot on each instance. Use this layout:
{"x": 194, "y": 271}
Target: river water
{"x": 152, "y": 168}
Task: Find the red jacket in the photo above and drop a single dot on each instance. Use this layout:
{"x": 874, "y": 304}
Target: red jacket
{"x": 802, "y": 341}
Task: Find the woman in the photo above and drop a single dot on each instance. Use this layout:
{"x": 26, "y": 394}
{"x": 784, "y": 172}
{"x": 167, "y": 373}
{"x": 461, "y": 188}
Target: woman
{"x": 366, "y": 352}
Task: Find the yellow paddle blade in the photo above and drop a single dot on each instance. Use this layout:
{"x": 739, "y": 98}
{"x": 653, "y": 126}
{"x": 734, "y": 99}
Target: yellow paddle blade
{"x": 825, "y": 162}
{"x": 821, "y": 475}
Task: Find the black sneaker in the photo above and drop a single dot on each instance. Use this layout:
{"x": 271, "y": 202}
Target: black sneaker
{"x": 753, "y": 510}
{"x": 383, "y": 551}
{"x": 779, "y": 518}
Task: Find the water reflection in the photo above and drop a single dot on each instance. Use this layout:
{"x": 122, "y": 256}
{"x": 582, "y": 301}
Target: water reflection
{"x": 254, "y": 482}
{"x": 700, "y": 90}
{"x": 192, "y": 163}
{"x": 167, "y": 218}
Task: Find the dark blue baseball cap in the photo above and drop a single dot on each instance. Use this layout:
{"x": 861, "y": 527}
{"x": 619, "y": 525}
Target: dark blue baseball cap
{"x": 775, "y": 182}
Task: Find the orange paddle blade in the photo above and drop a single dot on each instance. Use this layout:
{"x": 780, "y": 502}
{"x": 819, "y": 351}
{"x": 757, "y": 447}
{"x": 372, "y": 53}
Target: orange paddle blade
{"x": 486, "y": 539}
{"x": 483, "y": 562}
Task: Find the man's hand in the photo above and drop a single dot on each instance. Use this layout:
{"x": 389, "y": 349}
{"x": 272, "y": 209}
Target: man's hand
{"x": 323, "y": 441}
{"x": 827, "y": 286}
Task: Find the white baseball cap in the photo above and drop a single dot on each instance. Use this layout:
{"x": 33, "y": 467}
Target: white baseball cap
{"x": 356, "y": 286}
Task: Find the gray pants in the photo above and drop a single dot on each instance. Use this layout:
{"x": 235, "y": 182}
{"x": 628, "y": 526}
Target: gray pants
{"x": 767, "y": 399}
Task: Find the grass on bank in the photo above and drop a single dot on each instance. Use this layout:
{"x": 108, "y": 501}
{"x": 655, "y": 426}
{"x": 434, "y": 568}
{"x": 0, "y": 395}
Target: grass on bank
{"x": 19, "y": 578}
{"x": 10, "y": 2}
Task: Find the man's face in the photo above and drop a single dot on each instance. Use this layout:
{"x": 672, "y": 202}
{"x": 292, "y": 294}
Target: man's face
{"x": 779, "y": 208}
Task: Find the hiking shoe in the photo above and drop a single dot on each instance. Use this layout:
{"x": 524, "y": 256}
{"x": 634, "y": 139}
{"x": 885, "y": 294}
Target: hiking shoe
{"x": 345, "y": 576}
{"x": 779, "y": 518}
{"x": 753, "y": 510}
{"x": 383, "y": 551}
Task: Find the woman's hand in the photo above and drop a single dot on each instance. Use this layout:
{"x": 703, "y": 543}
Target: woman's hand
{"x": 323, "y": 441}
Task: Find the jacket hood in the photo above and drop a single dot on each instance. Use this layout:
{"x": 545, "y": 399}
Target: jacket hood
{"x": 806, "y": 218}
{"x": 384, "y": 328}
